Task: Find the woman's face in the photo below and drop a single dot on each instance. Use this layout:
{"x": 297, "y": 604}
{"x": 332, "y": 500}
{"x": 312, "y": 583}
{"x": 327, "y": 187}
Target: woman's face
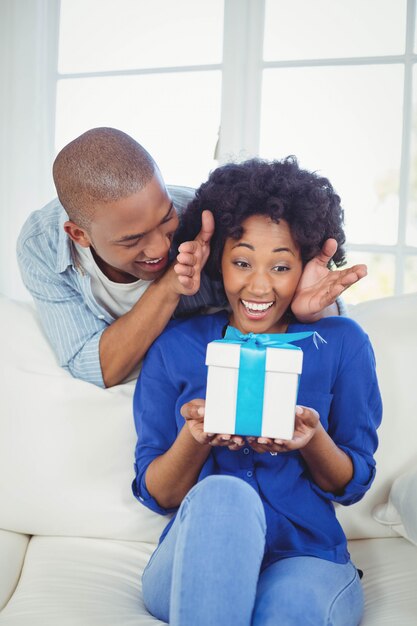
{"x": 260, "y": 275}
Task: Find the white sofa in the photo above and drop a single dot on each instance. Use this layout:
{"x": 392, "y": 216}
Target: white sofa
{"x": 74, "y": 541}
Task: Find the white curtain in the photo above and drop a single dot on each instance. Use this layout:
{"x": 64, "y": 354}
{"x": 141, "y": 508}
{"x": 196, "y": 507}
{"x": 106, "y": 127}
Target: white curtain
{"x": 28, "y": 67}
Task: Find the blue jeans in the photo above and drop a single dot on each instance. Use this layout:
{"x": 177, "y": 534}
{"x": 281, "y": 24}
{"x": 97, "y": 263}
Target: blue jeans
{"x": 206, "y": 572}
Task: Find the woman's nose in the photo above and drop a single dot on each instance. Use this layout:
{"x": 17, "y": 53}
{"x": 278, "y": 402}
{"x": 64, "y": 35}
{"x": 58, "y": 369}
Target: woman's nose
{"x": 260, "y": 284}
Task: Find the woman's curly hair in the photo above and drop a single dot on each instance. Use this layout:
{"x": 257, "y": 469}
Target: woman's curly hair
{"x": 276, "y": 189}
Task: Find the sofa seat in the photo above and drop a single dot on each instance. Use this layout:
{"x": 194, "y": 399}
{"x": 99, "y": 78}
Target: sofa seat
{"x": 75, "y": 580}
{"x": 96, "y": 582}
{"x": 389, "y": 581}
{"x": 74, "y": 541}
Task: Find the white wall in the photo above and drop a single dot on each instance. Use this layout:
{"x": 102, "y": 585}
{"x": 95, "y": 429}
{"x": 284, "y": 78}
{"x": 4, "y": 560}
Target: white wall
{"x": 26, "y": 123}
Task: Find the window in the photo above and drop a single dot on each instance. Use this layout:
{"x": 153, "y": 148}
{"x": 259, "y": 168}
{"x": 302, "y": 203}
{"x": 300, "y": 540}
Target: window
{"x": 330, "y": 81}
{"x": 152, "y": 69}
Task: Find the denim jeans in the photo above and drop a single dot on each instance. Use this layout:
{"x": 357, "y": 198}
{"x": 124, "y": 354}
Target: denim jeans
{"x": 206, "y": 572}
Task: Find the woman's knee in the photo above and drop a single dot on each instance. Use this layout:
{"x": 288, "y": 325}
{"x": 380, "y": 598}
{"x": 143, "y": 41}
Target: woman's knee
{"x": 226, "y": 491}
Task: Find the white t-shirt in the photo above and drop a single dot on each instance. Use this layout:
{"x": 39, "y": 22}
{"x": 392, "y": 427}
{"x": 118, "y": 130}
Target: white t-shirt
{"x": 116, "y": 298}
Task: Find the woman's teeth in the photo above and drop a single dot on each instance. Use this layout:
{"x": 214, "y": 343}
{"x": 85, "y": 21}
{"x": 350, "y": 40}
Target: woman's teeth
{"x": 256, "y": 306}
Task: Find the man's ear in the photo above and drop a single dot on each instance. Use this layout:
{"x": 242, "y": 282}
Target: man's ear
{"x": 77, "y": 234}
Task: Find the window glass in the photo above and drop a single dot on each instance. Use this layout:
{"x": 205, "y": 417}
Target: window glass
{"x": 412, "y": 204}
{"x": 175, "y": 116}
{"x": 379, "y": 283}
{"x": 102, "y": 35}
{"x": 410, "y": 278}
{"x": 303, "y": 29}
{"x": 346, "y": 123}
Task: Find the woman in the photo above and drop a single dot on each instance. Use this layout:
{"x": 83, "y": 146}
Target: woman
{"x": 255, "y": 540}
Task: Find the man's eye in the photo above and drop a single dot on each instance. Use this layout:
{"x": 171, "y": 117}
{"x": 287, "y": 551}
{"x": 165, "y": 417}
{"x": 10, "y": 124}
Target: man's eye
{"x": 132, "y": 244}
{"x": 169, "y": 216}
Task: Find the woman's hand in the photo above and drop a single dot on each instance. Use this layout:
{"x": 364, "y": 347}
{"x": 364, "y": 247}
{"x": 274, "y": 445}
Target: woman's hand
{"x": 193, "y": 413}
{"x": 307, "y": 422}
{"x": 319, "y": 287}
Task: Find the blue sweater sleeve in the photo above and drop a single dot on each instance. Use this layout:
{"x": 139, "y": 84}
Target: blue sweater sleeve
{"x": 155, "y": 421}
{"x": 355, "y": 414}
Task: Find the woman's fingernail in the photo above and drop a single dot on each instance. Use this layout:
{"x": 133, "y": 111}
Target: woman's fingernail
{"x": 299, "y": 410}
{"x": 200, "y": 411}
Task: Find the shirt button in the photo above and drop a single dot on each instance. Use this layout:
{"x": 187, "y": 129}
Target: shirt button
{"x": 246, "y": 450}
{"x": 100, "y": 317}
{"x": 249, "y": 474}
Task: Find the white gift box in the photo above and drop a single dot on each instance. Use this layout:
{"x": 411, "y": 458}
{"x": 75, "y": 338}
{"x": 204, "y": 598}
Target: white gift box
{"x": 282, "y": 370}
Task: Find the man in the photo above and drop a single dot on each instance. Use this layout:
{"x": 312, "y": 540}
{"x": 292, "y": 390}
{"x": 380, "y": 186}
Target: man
{"x": 98, "y": 262}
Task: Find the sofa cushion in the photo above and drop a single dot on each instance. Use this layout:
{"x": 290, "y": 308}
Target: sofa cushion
{"x": 400, "y": 512}
{"x": 12, "y": 554}
{"x": 391, "y": 326}
{"x": 70, "y": 581}
{"x": 66, "y": 446}
{"x": 389, "y": 580}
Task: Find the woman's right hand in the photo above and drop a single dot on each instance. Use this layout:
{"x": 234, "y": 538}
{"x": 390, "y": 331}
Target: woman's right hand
{"x": 193, "y": 413}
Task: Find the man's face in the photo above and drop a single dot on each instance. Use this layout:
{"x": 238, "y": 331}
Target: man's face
{"x": 130, "y": 238}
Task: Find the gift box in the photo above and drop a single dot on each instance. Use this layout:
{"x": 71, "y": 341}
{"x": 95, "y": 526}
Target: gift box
{"x": 252, "y": 384}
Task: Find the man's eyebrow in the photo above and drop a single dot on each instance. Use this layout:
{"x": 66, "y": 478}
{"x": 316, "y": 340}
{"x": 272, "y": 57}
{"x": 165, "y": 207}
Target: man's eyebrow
{"x": 248, "y": 245}
{"x": 139, "y": 235}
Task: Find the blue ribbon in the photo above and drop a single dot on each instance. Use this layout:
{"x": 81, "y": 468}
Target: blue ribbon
{"x": 251, "y": 379}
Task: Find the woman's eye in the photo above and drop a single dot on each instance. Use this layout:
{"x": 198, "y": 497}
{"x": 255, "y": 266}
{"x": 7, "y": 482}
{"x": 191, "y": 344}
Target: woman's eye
{"x": 281, "y": 268}
{"x": 241, "y": 263}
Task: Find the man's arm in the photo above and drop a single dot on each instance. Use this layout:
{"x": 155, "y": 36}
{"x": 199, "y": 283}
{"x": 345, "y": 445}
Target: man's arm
{"x": 125, "y": 342}
{"x": 83, "y": 342}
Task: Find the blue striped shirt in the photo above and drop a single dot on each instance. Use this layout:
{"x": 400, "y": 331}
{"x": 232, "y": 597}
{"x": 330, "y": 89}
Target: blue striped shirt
{"x": 71, "y": 318}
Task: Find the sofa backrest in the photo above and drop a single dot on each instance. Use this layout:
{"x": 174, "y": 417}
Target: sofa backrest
{"x": 66, "y": 446}
{"x": 391, "y": 326}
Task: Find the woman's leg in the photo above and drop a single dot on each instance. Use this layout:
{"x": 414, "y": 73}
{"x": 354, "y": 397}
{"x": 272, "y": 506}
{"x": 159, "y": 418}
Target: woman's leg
{"x": 308, "y": 591}
{"x": 207, "y": 573}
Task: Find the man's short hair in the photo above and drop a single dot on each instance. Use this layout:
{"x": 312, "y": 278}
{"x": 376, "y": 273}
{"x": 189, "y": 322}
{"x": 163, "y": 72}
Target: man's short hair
{"x": 99, "y": 166}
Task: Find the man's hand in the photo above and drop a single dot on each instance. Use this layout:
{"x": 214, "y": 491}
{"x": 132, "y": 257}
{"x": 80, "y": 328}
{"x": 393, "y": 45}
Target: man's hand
{"x": 193, "y": 255}
{"x": 319, "y": 287}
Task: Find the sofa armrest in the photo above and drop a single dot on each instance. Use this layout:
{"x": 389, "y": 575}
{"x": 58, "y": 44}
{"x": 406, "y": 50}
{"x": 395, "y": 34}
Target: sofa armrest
{"x": 400, "y": 512}
{"x": 12, "y": 555}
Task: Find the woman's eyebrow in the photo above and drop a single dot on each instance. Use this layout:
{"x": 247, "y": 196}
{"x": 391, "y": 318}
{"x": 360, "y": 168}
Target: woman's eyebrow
{"x": 248, "y": 245}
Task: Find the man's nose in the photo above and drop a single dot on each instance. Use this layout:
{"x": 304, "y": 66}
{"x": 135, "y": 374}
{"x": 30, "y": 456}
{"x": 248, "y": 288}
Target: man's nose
{"x": 157, "y": 245}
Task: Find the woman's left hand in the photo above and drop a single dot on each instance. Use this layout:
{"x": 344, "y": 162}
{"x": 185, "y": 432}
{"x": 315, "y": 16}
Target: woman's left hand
{"x": 306, "y": 423}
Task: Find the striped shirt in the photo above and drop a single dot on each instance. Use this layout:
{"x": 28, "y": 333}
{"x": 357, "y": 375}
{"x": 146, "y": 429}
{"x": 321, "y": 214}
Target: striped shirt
{"x": 71, "y": 317}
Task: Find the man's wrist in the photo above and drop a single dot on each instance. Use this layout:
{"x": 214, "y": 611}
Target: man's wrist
{"x": 171, "y": 284}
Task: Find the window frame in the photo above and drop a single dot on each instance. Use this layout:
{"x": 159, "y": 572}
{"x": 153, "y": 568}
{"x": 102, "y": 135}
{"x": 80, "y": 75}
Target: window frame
{"x": 242, "y": 70}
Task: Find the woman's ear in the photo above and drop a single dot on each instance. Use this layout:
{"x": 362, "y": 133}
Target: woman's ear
{"x": 77, "y": 234}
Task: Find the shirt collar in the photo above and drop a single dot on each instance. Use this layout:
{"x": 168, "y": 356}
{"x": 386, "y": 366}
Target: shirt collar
{"x": 65, "y": 250}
